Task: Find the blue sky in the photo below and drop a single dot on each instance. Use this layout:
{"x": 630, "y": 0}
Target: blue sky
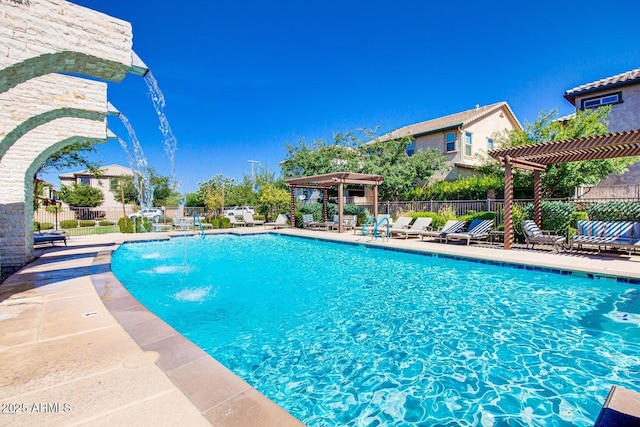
{"x": 241, "y": 79}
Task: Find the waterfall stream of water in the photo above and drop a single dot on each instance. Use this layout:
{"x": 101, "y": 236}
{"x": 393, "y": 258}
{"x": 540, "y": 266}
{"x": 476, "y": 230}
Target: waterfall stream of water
{"x": 138, "y": 164}
{"x": 170, "y": 144}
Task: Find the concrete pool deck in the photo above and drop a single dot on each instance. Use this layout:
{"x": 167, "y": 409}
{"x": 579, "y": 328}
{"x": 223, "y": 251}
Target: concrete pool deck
{"x": 76, "y": 348}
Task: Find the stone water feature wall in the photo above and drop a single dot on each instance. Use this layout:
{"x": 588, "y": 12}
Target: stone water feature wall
{"x": 40, "y": 111}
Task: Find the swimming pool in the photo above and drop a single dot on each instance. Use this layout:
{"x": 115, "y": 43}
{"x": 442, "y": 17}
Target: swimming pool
{"x": 351, "y": 335}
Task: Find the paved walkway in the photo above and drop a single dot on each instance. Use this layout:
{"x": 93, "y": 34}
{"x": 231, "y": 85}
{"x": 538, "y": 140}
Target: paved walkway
{"x": 77, "y": 349}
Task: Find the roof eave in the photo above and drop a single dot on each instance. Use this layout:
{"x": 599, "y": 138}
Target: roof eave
{"x": 571, "y": 98}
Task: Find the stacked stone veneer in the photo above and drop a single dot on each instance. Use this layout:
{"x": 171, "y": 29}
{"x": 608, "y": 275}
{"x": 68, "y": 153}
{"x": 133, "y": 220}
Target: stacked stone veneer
{"x": 41, "y": 112}
{"x": 46, "y": 36}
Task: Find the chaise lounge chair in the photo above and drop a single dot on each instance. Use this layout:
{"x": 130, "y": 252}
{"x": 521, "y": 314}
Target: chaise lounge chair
{"x": 451, "y": 226}
{"x": 478, "y": 229}
{"x": 248, "y": 219}
{"x": 235, "y": 222}
{"x": 281, "y": 221}
{"x": 50, "y": 237}
{"x": 534, "y": 236}
{"x": 402, "y": 223}
{"x": 416, "y": 229}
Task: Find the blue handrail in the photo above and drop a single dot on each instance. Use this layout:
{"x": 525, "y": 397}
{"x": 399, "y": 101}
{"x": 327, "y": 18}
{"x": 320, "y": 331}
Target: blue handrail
{"x": 364, "y": 227}
{"x": 378, "y": 223}
{"x": 196, "y": 217}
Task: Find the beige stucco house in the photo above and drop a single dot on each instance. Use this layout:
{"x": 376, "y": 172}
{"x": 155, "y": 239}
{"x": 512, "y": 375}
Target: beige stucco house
{"x": 109, "y": 179}
{"x": 463, "y": 138}
{"x": 622, "y": 93}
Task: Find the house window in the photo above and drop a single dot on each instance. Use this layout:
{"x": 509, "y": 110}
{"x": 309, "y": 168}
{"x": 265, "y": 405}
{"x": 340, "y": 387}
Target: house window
{"x": 114, "y": 184}
{"x": 84, "y": 180}
{"x": 410, "y": 149}
{"x": 450, "y": 139}
{"x": 599, "y": 101}
{"x": 489, "y": 144}
{"x": 467, "y": 144}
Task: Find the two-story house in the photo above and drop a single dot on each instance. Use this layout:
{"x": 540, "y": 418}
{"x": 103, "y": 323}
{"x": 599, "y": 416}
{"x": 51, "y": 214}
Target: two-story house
{"x": 463, "y": 138}
{"x": 109, "y": 179}
{"x": 622, "y": 93}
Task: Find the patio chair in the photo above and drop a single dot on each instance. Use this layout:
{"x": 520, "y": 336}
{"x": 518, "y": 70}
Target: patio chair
{"x": 248, "y": 219}
{"x": 451, "y": 226}
{"x": 181, "y": 223}
{"x": 349, "y": 222}
{"x": 307, "y": 220}
{"x": 478, "y": 230}
{"x": 418, "y": 226}
{"x": 402, "y": 223}
{"x": 281, "y": 221}
{"x": 235, "y": 222}
{"x": 49, "y": 237}
{"x": 534, "y": 236}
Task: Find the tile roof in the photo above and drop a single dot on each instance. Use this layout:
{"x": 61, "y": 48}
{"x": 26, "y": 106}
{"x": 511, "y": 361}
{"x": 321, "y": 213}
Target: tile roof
{"x": 447, "y": 122}
{"x": 111, "y": 170}
{"x": 630, "y": 77}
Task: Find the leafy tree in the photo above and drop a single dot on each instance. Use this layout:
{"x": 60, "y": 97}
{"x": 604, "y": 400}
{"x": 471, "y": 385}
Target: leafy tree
{"x": 560, "y": 180}
{"x": 349, "y": 153}
{"x": 322, "y": 157}
{"x": 163, "y": 195}
{"x": 272, "y": 196}
{"x": 80, "y": 195}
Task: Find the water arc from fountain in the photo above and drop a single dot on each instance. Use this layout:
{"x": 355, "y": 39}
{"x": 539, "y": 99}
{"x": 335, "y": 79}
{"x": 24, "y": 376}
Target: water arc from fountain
{"x": 138, "y": 164}
{"x": 170, "y": 143}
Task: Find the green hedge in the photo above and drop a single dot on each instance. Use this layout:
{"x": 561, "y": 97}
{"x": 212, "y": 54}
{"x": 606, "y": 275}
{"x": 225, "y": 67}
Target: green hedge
{"x": 614, "y": 211}
{"x": 106, "y": 223}
{"x": 436, "y": 223}
{"x": 225, "y": 222}
{"x": 39, "y": 226}
{"x": 69, "y": 223}
{"x": 556, "y": 216}
{"x": 87, "y": 223}
{"x": 126, "y": 225}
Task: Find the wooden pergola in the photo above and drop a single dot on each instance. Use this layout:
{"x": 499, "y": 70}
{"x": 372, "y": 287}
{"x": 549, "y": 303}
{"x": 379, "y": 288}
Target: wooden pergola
{"x": 330, "y": 180}
{"x": 536, "y": 158}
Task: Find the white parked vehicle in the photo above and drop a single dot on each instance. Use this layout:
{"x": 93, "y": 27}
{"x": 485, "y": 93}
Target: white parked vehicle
{"x": 238, "y": 211}
{"x": 154, "y": 214}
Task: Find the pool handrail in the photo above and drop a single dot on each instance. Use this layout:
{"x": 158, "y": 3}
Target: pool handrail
{"x": 196, "y": 217}
{"x": 364, "y": 226}
{"x": 378, "y": 223}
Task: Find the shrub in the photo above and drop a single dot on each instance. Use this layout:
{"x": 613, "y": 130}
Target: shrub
{"x": 87, "y": 223}
{"x": 615, "y": 211}
{"x": 447, "y": 212}
{"x": 125, "y": 225}
{"x": 46, "y": 226}
{"x": 215, "y": 222}
{"x": 69, "y": 223}
{"x": 556, "y": 216}
{"x": 225, "y": 222}
{"x": 437, "y": 222}
{"x": 362, "y": 212}
{"x": 478, "y": 215}
{"x": 578, "y": 216}
{"x": 105, "y": 223}
{"x": 316, "y": 210}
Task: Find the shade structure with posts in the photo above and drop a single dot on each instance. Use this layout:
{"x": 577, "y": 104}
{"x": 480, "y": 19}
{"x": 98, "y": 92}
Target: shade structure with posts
{"x": 329, "y": 180}
{"x": 536, "y": 157}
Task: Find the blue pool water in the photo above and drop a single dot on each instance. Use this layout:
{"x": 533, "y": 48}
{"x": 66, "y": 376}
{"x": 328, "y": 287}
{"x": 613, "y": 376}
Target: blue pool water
{"x": 350, "y": 335}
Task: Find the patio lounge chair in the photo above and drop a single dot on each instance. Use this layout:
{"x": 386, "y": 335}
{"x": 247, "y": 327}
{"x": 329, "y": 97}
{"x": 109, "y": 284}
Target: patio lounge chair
{"x": 235, "y": 222}
{"x": 50, "y": 237}
{"x": 451, "y": 226}
{"x": 248, "y": 219}
{"x": 478, "y": 229}
{"x": 402, "y": 223}
{"x": 603, "y": 234}
{"x": 307, "y": 220}
{"x": 327, "y": 225}
{"x": 281, "y": 221}
{"x": 349, "y": 222}
{"x": 418, "y": 226}
{"x": 534, "y": 236}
